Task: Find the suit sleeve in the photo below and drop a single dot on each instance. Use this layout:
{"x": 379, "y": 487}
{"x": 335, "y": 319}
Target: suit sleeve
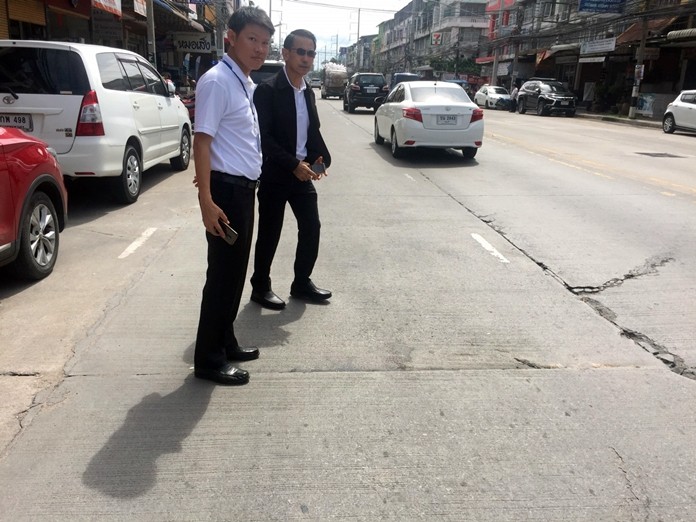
{"x": 264, "y": 96}
{"x": 315, "y": 142}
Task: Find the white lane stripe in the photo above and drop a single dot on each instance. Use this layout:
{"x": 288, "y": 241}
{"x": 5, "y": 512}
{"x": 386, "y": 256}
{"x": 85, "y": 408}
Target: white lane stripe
{"x": 137, "y": 243}
{"x": 485, "y": 244}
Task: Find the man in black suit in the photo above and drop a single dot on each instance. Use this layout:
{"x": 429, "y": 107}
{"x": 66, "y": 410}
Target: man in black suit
{"x": 294, "y": 155}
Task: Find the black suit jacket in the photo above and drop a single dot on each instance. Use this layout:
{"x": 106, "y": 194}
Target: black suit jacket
{"x": 274, "y": 99}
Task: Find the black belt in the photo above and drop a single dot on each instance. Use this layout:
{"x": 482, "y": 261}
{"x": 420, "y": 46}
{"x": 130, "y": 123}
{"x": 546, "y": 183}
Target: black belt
{"x": 234, "y": 180}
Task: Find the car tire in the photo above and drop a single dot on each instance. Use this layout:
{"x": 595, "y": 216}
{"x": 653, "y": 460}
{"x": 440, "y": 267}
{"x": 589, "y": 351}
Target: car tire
{"x": 181, "y": 162}
{"x": 128, "y": 184}
{"x": 668, "y": 124}
{"x": 541, "y": 107}
{"x": 39, "y": 239}
{"x": 351, "y": 107}
{"x": 345, "y": 105}
{"x": 521, "y": 106}
{"x": 486, "y": 105}
{"x": 469, "y": 152}
{"x": 397, "y": 152}
{"x": 379, "y": 140}
{"x": 323, "y": 96}
{"x": 570, "y": 114}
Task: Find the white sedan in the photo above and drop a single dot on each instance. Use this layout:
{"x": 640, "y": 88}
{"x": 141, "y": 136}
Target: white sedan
{"x": 429, "y": 114}
{"x": 492, "y": 97}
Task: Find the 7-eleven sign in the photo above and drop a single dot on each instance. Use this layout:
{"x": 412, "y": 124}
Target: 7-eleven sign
{"x": 436, "y": 39}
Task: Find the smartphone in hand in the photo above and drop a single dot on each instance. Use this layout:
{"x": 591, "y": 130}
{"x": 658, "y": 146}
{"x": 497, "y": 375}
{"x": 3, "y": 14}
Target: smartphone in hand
{"x": 319, "y": 168}
{"x": 230, "y": 233}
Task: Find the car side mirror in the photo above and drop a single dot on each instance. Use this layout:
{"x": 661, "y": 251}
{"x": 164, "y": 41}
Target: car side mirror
{"x": 171, "y": 88}
{"x": 538, "y": 91}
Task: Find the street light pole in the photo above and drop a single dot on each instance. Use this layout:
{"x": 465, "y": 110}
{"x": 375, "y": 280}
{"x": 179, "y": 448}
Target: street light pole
{"x": 638, "y": 72}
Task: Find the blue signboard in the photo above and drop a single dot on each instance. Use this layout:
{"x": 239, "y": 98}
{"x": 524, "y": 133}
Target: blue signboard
{"x": 602, "y": 6}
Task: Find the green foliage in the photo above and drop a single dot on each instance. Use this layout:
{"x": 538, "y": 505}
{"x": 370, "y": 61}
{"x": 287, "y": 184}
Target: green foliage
{"x": 463, "y": 65}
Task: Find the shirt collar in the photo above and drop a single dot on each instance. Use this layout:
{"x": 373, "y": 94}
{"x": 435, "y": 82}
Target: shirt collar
{"x": 302, "y": 88}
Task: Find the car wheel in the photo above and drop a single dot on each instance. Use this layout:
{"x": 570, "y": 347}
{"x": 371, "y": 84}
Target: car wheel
{"x": 345, "y": 105}
{"x": 397, "y": 152}
{"x": 668, "y": 124}
{"x": 128, "y": 183}
{"x": 540, "y": 108}
{"x": 38, "y": 239}
{"x": 323, "y": 96}
{"x": 486, "y": 105}
{"x": 521, "y": 106}
{"x": 181, "y": 162}
{"x": 570, "y": 114}
{"x": 379, "y": 140}
{"x": 469, "y": 152}
{"x": 351, "y": 107}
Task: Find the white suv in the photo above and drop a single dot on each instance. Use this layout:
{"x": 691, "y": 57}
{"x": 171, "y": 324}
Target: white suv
{"x": 105, "y": 111}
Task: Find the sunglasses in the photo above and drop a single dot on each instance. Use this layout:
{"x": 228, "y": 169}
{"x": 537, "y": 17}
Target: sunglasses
{"x": 301, "y": 52}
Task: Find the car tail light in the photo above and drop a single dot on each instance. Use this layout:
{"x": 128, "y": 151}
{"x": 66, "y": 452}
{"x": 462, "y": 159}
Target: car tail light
{"x": 354, "y": 87}
{"x": 411, "y": 113}
{"x": 90, "y": 120}
{"x": 477, "y": 115}
{"x": 385, "y": 88}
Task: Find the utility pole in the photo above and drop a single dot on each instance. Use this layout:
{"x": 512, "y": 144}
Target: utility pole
{"x": 638, "y": 72}
{"x": 151, "y": 46}
{"x": 496, "y": 55}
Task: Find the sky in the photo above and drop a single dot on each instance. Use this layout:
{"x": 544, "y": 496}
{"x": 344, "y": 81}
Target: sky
{"x": 331, "y": 21}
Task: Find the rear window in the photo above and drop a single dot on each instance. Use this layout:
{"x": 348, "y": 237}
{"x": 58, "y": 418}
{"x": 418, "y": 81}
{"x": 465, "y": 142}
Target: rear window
{"x": 26, "y": 70}
{"x": 371, "y": 79}
{"x": 433, "y": 93}
{"x": 266, "y": 71}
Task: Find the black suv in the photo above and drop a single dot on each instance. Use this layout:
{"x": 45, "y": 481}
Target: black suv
{"x": 363, "y": 89}
{"x": 547, "y": 96}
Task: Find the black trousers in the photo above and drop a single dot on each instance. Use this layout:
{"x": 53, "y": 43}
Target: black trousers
{"x": 227, "y": 266}
{"x": 302, "y": 197}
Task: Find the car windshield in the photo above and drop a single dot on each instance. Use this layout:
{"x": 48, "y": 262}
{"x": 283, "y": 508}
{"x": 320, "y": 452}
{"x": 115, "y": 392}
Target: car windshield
{"x": 553, "y": 87}
{"x": 435, "y": 94}
{"x": 497, "y": 90}
{"x": 371, "y": 79}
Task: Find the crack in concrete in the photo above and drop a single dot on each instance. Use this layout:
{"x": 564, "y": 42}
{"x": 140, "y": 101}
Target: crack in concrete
{"x": 19, "y": 374}
{"x": 648, "y": 268}
{"x": 629, "y": 485}
{"x": 536, "y": 366}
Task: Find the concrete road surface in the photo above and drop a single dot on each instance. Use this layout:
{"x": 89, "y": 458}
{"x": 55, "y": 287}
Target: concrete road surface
{"x": 450, "y": 378}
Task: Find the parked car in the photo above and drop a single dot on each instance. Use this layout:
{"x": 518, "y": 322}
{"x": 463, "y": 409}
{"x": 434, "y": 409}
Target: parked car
{"x": 33, "y": 204}
{"x": 492, "y": 97}
{"x": 429, "y": 114}
{"x": 546, "y": 96}
{"x": 107, "y": 112}
{"x": 268, "y": 69}
{"x": 315, "y": 83}
{"x": 681, "y": 113}
{"x": 402, "y": 77}
{"x": 363, "y": 89}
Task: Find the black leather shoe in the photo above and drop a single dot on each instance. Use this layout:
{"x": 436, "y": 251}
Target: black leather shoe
{"x": 309, "y": 291}
{"x": 268, "y": 299}
{"x": 238, "y": 353}
{"x": 227, "y": 374}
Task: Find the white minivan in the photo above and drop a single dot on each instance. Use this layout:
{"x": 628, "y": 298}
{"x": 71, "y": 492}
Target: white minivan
{"x": 105, "y": 111}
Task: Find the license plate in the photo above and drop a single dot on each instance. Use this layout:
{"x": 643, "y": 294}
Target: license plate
{"x": 565, "y": 103}
{"x": 23, "y": 121}
{"x": 371, "y": 90}
{"x": 447, "y": 119}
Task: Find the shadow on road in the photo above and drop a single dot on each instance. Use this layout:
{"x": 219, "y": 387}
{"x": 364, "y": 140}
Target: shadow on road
{"x": 126, "y": 467}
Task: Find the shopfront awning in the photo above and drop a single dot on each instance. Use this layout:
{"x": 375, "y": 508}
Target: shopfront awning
{"x": 684, "y": 34}
{"x": 635, "y": 32}
{"x": 179, "y": 13}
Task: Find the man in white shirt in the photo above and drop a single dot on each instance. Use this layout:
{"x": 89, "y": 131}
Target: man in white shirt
{"x": 227, "y": 155}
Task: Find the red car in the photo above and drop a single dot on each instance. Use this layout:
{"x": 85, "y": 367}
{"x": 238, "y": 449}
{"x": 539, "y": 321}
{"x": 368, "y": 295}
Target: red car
{"x": 33, "y": 205}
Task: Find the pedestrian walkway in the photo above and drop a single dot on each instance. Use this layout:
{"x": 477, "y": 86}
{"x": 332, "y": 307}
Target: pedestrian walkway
{"x": 639, "y": 121}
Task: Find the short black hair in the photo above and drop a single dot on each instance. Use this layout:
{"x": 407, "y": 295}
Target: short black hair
{"x": 250, "y": 15}
{"x": 302, "y": 33}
